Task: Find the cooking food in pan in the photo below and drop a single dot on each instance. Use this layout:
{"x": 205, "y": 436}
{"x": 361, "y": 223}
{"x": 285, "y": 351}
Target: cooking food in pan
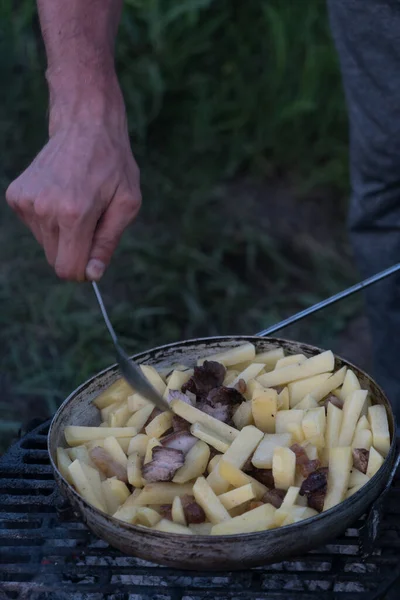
{"x": 252, "y": 441}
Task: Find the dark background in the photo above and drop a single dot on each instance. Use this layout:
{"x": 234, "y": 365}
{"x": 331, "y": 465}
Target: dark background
{"x": 238, "y": 123}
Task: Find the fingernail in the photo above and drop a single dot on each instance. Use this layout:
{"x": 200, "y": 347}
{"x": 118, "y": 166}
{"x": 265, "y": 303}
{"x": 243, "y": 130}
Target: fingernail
{"x": 95, "y": 269}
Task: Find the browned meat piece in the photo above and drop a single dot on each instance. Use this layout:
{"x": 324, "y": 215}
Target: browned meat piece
{"x": 316, "y": 500}
{"x": 255, "y": 504}
{"x": 179, "y": 424}
{"x": 360, "y": 459}
{"x": 315, "y": 482}
{"x": 177, "y": 395}
{"x": 219, "y": 403}
{"x": 303, "y": 463}
{"x": 193, "y": 511}
{"x": 274, "y": 497}
{"x": 241, "y": 386}
{"x": 335, "y": 401}
{"x": 106, "y": 463}
{"x": 264, "y": 476}
{"x": 205, "y": 378}
{"x": 165, "y": 511}
{"x": 164, "y": 464}
{"x": 220, "y": 411}
{"x": 180, "y": 440}
{"x": 225, "y": 395}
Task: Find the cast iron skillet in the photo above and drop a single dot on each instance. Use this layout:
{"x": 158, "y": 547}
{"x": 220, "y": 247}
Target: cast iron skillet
{"x": 213, "y": 552}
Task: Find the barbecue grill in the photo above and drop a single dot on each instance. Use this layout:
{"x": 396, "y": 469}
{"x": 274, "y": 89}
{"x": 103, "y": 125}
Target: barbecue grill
{"x": 47, "y": 553}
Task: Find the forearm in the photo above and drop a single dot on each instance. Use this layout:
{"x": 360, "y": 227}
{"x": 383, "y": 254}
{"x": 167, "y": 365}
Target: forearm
{"x": 79, "y": 37}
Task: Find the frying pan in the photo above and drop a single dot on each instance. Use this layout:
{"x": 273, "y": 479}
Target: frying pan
{"x": 213, "y": 552}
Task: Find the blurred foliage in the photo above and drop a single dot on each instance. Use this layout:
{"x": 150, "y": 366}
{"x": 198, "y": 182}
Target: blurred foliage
{"x": 214, "y": 90}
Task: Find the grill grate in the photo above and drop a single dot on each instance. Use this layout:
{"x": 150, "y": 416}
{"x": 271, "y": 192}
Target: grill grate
{"x": 47, "y": 553}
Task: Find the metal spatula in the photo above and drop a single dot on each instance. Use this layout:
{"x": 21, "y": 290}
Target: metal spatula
{"x": 134, "y": 376}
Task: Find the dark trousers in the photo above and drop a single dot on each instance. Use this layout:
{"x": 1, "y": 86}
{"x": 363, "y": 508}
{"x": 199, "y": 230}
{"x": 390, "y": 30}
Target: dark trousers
{"x": 367, "y": 37}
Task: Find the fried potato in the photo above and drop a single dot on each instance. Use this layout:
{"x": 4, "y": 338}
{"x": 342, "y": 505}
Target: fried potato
{"x": 162, "y": 493}
{"x": 350, "y": 385}
{"x": 152, "y": 443}
{"x": 195, "y": 464}
{"x": 270, "y": 358}
{"x": 170, "y": 527}
{"x": 140, "y": 417}
{"x": 115, "y": 494}
{"x": 232, "y": 356}
{"x": 333, "y": 382}
{"x": 237, "y": 496}
{"x": 84, "y": 486}
{"x": 362, "y": 439}
{"x": 176, "y": 381}
{"x": 351, "y": 412}
{"x": 119, "y": 416}
{"x": 63, "y": 462}
{"x": 193, "y": 415}
{"x": 333, "y": 425}
{"x": 243, "y": 446}
{"x": 230, "y": 376}
{"x": 357, "y": 478}
{"x": 262, "y": 458}
{"x": 243, "y": 415}
{"x": 209, "y": 502}
{"x": 307, "y": 403}
{"x": 115, "y": 451}
{"x": 321, "y": 363}
{"x": 314, "y": 423}
{"x": 340, "y": 465}
{"x": 160, "y": 424}
{"x": 235, "y": 477}
{"x": 77, "y": 435}
{"x": 296, "y": 432}
{"x": 178, "y": 514}
{"x": 213, "y": 462}
{"x": 378, "y": 420}
{"x": 265, "y": 408}
{"x": 283, "y": 399}
{"x": 375, "y": 462}
{"x": 210, "y": 437}
{"x": 283, "y": 468}
{"x": 300, "y": 389}
{"x": 134, "y": 470}
{"x": 284, "y": 417}
{"x": 147, "y": 517}
{"x": 117, "y": 392}
{"x": 293, "y": 359}
{"x": 258, "y": 519}
{"x": 138, "y": 444}
{"x": 249, "y": 373}
{"x": 292, "y": 496}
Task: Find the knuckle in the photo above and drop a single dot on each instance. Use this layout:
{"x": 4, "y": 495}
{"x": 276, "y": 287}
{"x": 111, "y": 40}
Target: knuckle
{"x": 42, "y": 207}
{"x": 69, "y": 212}
{"x": 64, "y": 272}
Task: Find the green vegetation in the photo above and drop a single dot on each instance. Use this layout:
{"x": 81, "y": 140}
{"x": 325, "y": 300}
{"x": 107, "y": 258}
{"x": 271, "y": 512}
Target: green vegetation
{"x": 215, "y": 92}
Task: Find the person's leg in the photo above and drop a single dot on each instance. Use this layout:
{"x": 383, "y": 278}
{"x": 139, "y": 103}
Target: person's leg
{"x": 367, "y": 37}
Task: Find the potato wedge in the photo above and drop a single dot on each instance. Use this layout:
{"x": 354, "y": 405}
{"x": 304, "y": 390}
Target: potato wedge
{"x": 284, "y": 399}
{"x": 115, "y": 494}
{"x": 333, "y": 425}
{"x": 375, "y": 462}
{"x": 351, "y": 413}
{"x": 307, "y": 403}
{"x": 213, "y": 462}
{"x": 140, "y": 417}
{"x": 262, "y": 458}
{"x": 134, "y": 469}
{"x": 152, "y": 443}
{"x": 357, "y": 478}
{"x": 296, "y": 432}
{"x": 161, "y": 493}
{"x": 170, "y": 527}
{"x": 138, "y": 444}
{"x": 178, "y": 514}
{"x": 126, "y": 514}
{"x": 81, "y": 453}
{"x": 119, "y": 416}
{"x": 160, "y": 424}
{"x": 194, "y": 415}
{"x": 77, "y": 435}
{"x": 218, "y": 484}
{"x": 243, "y": 415}
{"x": 209, "y": 502}
{"x": 249, "y": 373}
{"x": 235, "y": 477}
{"x": 196, "y": 461}
{"x": 291, "y": 497}
{"x": 147, "y": 517}
{"x": 284, "y": 417}
{"x": 154, "y": 378}
{"x": 353, "y": 490}
{"x": 314, "y": 423}
{"x": 85, "y": 487}
{"x": 237, "y": 497}
{"x": 115, "y": 450}
{"x": 210, "y": 437}
{"x": 340, "y": 466}
{"x": 362, "y": 439}
{"x": 321, "y": 363}
{"x": 350, "y": 385}
{"x": 293, "y": 359}
{"x": 333, "y": 382}
{"x": 363, "y": 423}
{"x": 378, "y": 420}
{"x": 230, "y": 376}
{"x": 258, "y": 519}
{"x": 270, "y": 358}
{"x": 63, "y": 462}
{"x": 243, "y": 446}
{"x": 117, "y": 392}
{"x": 232, "y": 356}
{"x": 265, "y": 408}
{"x": 176, "y": 381}
{"x": 284, "y": 468}
{"x": 299, "y": 389}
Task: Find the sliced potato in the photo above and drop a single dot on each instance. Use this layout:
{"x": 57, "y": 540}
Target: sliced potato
{"x": 350, "y": 385}
{"x": 284, "y": 417}
{"x": 262, "y": 458}
{"x": 154, "y": 378}
{"x": 152, "y": 443}
{"x": 265, "y": 408}
{"x": 134, "y": 469}
{"x": 377, "y": 417}
{"x": 293, "y": 359}
{"x": 138, "y": 444}
{"x": 105, "y": 412}
{"x": 195, "y": 464}
{"x": 218, "y": 484}
{"x": 178, "y": 514}
{"x": 140, "y": 417}
{"x": 321, "y": 363}
{"x": 201, "y": 528}
{"x": 237, "y": 496}
{"x": 81, "y": 453}
{"x": 119, "y": 416}
{"x": 115, "y": 494}
{"x": 307, "y": 403}
{"x": 299, "y": 513}
{"x": 363, "y": 423}
{"x": 310, "y": 450}
{"x": 126, "y": 514}
{"x": 299, "y": 389}
{"x": 291, "y": 497}
{"x": 230, "y": 376}
{"x": 209, "y": 436}
{"x": 340, "y": 465}
{"x": 136, "y": 402}
{"x": 124, "y": 443}
{"x": 362, "y": 439}
{"x": 251, "y": 386}
{"x": 296, "y": 432}
{"x": 213, "y": 462}
{"x": 283, "y": 468}
{"x": 161, "y": 493}
{"x": 194, "y": 415}
{"x": 375, "y": 462}
{"x": 243, "y": 415}
{"x": 160, "y": 424}
{"x": 232, "y": 356}
{"x": 77, "y": 435}
{"x": 353, "y": 490}
{"x": 147, "y": 517}
{"x": 117, "y": 392}
{"x": 258, "y": 519}
{"x": 85, "y": 487}
{"x": 249, "y": 373}
{"x": 115, "y": 451}
{"x": 270, "y": 358}
{"x": 357, "y": 478}
{"x": 243, "y": 446}
{"x": 351, "y": 412}
{"x": 284, "y": 399}
{"x": 333, "y": 382}
{"x": 314, "y": 423}
{"x": 333, "y": 425}
{"x": 177, "y": 380}
{"x": 235, "y": 477}
{"x": 169, "y": 527}
{"x": 209, "y": 502}
{"x": 63, "y": 462}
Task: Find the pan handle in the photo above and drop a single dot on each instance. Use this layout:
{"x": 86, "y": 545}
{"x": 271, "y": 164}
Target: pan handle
{"x": 316, "y": 307}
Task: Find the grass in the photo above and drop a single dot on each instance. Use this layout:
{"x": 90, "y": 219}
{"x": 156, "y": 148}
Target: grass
{"x": 215, "y": 91}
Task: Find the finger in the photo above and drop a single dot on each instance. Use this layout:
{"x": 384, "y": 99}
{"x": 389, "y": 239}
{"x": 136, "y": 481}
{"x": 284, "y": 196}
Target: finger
{"x": 23, "y": 208}
{"x": 73, "y": 251}
{"x": 50, "y": 235}
{"x": 110, "y": 228}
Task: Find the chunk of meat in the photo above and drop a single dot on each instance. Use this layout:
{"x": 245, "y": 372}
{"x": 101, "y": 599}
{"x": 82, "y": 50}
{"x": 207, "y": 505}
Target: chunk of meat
{"x": 177, "y": 395}
{"x": 360, "y": 459}
{"x": 241, "y": 386}
{"x": 255, "y": 504}
{"x": 179, "y": 424}
{"x": 335, "y": 401}
{"x": 303, "y": 463}
{"x": 205, "y": 378}
{"x": 274, "y": 497}
{"x": 193, "y": 511}
{"x": 219, "y": 403}
{"x": 165, "y": 511}
{"x": 107, "y": 464}
{"x": 264, "y": 476}
{"x": 164, "y": 464}
{"x": 220, "y": 411}
{"x": 179, "y": 440}
{"x": 316, "y": 500}
{"x": 315, "y": 482}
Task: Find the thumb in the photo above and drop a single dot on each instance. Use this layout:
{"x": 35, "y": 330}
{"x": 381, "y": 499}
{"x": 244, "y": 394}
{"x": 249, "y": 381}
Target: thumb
{"x": 110, "y": 228}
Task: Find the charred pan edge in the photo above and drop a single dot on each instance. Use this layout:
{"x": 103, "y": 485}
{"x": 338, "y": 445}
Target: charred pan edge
{"x": 204, "y": 551}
